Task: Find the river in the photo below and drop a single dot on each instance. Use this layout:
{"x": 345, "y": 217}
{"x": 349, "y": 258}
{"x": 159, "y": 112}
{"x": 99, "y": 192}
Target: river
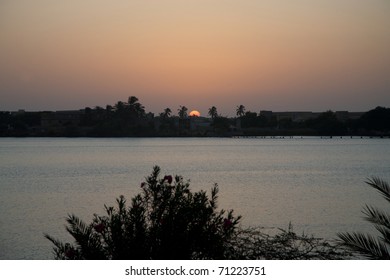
{"x": 316, "y": 184}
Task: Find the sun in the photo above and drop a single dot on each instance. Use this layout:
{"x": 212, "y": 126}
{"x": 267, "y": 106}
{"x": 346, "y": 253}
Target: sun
{"x": 194, "y": 113}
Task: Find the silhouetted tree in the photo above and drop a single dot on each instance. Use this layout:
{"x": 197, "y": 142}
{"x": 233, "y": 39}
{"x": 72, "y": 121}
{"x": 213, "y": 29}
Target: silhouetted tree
{"x": 213, "y": 113}
{"x": 132, "y": 100}
{"x": 366, "y": 244}
{"x": 167, "y": 124}
{"x": 109, "y": 108}
{"x": 327, "y": 124}
{"x": 167, "y": 113}
{"x": 240, "y": 111}
{"x": 377, "y": 119}
{"x": 182, "y": 111}
{"x": 120, "y": 106}
{"x": 135, "y": 108}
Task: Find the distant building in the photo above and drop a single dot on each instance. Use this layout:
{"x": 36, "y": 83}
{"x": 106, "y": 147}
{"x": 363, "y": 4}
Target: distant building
{"x": 294, "y": 116}
{"x": 265, "y": 113}
{"x": 61, "y": 118}
{"x": 300, "y": 116}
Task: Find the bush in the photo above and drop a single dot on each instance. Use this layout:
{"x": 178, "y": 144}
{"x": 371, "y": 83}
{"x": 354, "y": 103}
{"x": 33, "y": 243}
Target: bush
{"x": 165, "y": 221}
{"x": 168, "y": 221}
{"x": 256, "y": 243}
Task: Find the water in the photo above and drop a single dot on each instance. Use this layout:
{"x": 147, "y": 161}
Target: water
{"x": 317, "y": 184}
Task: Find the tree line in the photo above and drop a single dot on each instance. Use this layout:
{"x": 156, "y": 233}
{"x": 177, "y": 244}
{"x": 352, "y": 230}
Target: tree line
{"x": 131, "y": 119}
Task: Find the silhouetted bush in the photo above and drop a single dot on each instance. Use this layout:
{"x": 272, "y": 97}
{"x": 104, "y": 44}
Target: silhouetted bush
{"x": 256, "y": 243}
{"x": 168, "y": 221}
{"x": 165, "y": 221}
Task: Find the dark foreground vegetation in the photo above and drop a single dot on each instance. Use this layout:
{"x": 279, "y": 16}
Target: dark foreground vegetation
{"x": 366, "y": 245}
{"x": 129, "y": 119}
{"x": 169, "y": 221}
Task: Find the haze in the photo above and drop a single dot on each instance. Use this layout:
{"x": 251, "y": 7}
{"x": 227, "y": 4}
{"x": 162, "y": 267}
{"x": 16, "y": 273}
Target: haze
{"x": 267, "y": 55}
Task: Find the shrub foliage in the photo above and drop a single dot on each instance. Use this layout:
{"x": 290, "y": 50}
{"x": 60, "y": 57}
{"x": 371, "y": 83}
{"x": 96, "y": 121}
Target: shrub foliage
{"x": 165, "y": 221}
{"x": 169, "y": 221}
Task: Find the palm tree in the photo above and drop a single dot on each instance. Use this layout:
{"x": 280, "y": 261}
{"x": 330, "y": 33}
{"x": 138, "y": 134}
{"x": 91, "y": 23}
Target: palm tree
{"x": 365, "y": 244}
{"x": 240, "y": 111}
{"x": 132, "y": 100}
{"x": 213, "y": 112}
{"x": 120, "y": 106}
{"x": 182, "y": 112}
{"x": 167, "y": 113}
{"x": 135, "y": 108}
{"x": 109, "y": 108}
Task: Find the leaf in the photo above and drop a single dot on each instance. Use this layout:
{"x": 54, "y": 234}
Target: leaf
{"x": 376, "y": 216}
{"x": 365, "y": 245}
{"x": 381, "y": 186}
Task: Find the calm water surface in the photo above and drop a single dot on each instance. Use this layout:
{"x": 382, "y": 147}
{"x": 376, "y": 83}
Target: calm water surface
{"x": 317, "y": 184}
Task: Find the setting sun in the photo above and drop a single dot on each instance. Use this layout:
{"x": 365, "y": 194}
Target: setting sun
{"x": 194, "y": 113}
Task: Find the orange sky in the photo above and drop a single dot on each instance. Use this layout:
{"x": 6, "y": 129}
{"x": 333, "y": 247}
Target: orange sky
{"x": 275, "y": 55}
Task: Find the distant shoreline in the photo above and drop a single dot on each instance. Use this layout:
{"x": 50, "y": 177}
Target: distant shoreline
{"x": 212, "y": 137}
{"x": 132, "y": 121}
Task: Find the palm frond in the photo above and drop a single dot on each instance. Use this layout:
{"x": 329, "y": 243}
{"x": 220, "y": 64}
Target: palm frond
{"x": 381, "y": 186}
{"x": 76, "y": 224}
{"x": 59, "y": 247}
{"x": 88, "y": 243}
{"x": 365, "y": 245}
{"x": 79, "y": 230}
{"x": 376, "y": 216}
{"x": 385, "y": 235}
{"x": 56, "y": 242}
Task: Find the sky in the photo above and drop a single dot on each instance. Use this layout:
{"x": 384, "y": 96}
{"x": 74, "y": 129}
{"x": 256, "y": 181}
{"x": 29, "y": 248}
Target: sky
{"x": 279, "y": 55}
